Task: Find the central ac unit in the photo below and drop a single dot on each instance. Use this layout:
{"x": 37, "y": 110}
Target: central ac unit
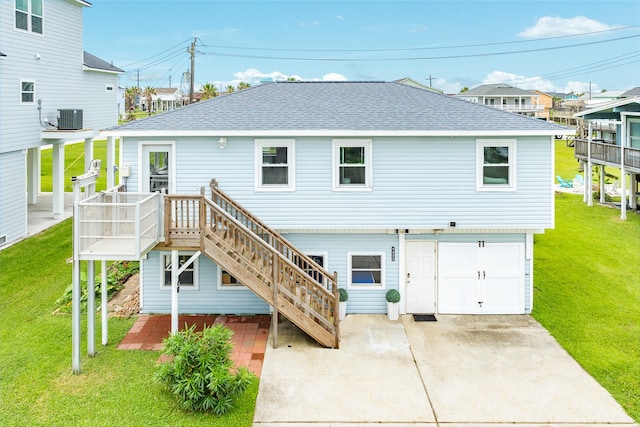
{"x": 69, "y": 119}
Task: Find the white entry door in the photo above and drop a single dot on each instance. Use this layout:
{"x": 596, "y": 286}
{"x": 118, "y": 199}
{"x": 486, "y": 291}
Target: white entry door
{"x": 421, "y": 277}
{"x": 157, "y": 168}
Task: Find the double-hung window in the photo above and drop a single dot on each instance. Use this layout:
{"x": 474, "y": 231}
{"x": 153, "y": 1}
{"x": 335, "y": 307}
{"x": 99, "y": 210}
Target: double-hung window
{"x": 29, "y": 15}
{"x": 275, "y": 164}
{"x": 352, "y": 164}
{"x": 366, "y": 270}
{"x": 496, "y": 165}
{"x": 27, "y": 91}
{"x": 187, "y": 279}
{"x": 227, "y": 281}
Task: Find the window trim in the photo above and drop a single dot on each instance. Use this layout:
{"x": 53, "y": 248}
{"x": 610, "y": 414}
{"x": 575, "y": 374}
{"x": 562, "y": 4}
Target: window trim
{"x": 481, "y": 144}
{"x": 30, "y": 16}
{"x": 355, "y": 286}
{"x": 259, "y": 144}
{"x": 368, "y": 164}
{"x": 32, "y": 81}
{"x": 225, "y": 288}
{"x": 195, "y": 264}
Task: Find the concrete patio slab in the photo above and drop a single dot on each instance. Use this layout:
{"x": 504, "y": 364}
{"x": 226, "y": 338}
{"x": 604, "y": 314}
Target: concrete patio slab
{"x": 372, "y": 377}
{"x": 505, "y": 369}
{"x": 458, "y": 371}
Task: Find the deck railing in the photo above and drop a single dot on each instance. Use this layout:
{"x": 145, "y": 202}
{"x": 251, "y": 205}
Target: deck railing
{"x": 607, "y": 153}
{"x": 117, "y": 225}
{"x": 259, "y": 258}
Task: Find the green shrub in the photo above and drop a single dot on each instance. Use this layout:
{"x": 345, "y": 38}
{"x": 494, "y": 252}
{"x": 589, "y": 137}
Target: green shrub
{"x": 199, "y": 372}
{"x": 344, "y": 295}
{"x": 393, "y": 295}
{"x": 117, "y": 274}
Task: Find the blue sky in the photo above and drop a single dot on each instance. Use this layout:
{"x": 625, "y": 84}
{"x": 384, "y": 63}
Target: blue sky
{"x": 529, "y": 44}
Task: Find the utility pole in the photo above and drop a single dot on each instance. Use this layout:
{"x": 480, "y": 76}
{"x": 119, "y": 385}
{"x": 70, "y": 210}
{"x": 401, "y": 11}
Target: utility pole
{"x": 138, "y": 76}
{"x": 192, "y": 52}
{"x": 430, "y": 78}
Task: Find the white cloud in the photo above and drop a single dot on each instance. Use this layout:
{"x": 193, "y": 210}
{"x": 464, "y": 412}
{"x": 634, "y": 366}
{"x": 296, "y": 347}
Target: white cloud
{"x": 340, "y": 17}
{"x": 552, "y": 26}
{"x": 334, "y": 77}
{"x": 417, "y": 29}
{"x": 536, "y": 82}
{"x": 313, "y": 23}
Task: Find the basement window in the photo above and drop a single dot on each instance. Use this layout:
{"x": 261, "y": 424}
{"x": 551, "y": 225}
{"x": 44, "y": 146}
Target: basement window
{"x": 188, "y": 279}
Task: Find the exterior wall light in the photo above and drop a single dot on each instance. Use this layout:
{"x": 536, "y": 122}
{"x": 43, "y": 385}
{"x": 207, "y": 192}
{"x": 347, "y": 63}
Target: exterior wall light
{"x": 222, "y": 142}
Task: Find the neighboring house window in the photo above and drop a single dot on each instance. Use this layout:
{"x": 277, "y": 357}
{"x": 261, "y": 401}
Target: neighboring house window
{"x": 109, "y": 88}
{"x": 352, "y": 164}
{"x": 29, "y": 15}
{"x": 227, "y": 281}
{"x": 496, "y": 164}
{"x": 366, "y": 270}
{"x": 187, "y": 279}
{"x": 275, "y": 164}
{"x": 634, "y": 133}
{"x": 27, "y": 91}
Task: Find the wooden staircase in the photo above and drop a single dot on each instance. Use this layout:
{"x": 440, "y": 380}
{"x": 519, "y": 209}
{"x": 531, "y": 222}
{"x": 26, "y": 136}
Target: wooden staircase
{"x": 260, "y": 258}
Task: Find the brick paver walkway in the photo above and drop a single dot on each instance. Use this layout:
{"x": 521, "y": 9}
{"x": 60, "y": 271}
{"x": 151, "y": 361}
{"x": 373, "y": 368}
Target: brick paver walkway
{"x": 249, "y": 335}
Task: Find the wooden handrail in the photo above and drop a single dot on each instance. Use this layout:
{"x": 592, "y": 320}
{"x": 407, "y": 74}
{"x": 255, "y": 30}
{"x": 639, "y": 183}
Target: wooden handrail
{"x": 196, "y": 217}
{"x": 275, "y": 239}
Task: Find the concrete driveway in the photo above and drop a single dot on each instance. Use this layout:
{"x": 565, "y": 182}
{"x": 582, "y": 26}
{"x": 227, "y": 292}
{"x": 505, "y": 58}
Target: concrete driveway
{"x": 460, "y": 370}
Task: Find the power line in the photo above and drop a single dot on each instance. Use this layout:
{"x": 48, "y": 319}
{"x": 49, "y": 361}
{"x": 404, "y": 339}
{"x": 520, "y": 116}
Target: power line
{"x": 181, "y": 45}
{"x": 419, "y": 48}
{"x": 471, "y": 55}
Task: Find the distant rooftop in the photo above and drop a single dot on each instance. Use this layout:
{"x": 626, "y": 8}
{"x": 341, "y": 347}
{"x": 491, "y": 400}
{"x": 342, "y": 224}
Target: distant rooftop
{"x": 96, "y": 63}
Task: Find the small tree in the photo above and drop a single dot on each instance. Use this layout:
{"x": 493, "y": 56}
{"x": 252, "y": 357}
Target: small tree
{"x": 199, "y": 372}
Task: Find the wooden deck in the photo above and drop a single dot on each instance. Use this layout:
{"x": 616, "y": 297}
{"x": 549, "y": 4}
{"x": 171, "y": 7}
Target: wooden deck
{"x": 608, "y": 154}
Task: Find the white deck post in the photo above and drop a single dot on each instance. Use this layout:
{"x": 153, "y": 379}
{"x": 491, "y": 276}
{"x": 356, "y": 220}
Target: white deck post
{"x": 623, "y": 172}
{"x": 88, "y": 152}
{"x": 111, "y": 162}
{"x": 33, "y": 175}
{"x": 174, "y": 290}
{"x": 91, "y": 308}
{"x": 105, "y": 297}
{"x": 601, "y": 184}
{"x": 58, "y": 180}
{"x": 589, "y": 179}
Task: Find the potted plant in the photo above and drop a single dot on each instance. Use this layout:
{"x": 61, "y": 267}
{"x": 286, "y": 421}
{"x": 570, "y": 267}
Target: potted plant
{"x": 393, "y": 309}
{"x": 344, "y": 296}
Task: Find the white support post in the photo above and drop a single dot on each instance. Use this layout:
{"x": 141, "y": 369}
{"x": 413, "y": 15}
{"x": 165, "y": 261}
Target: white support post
{"x": 601, "y": 184}
{"x": 58, "y": 180}
{"x": 174, "y": 290}
{"x": 33, "y": 175}
{"x": 75, "y": 317}
{"x": 623, "y": 172}
{"x": 91, "y": 308}
{"x": 111, "y": 162}
{"x": 589, "y": 179}
{"x": 104, "y": 298}
{"x": 88, "y": 152}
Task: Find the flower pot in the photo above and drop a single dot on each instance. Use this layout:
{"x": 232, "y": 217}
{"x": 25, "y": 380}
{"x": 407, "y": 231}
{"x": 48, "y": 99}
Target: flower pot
{"x": 342, "y": 307}
{"x": 393, "y": 310}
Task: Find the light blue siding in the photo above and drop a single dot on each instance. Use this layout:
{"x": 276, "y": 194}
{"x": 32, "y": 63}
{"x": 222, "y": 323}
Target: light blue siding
{"x": 418, "y": 183}
{"x": 13, "y": 202}
{"x": 206, "y": 299}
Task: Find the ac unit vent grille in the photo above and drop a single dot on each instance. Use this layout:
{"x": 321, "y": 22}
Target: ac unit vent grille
{"x": 69, "y": 119}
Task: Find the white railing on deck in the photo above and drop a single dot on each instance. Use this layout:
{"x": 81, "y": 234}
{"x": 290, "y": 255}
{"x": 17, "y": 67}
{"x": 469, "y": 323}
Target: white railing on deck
{"x": 117, "y": 225}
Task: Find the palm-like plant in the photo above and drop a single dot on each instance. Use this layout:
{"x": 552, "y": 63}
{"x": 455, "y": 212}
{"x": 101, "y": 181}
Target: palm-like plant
{"x": 243, "y": 85}
{"x": 209, "y": 90}
{"x": 230, "y": 89}
{"x": 148, "y": 93}
{"x": 130, "y": 97}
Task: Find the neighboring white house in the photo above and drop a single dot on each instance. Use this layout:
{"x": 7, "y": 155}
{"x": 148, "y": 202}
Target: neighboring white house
{"x": 390, "y": 186}
{"x": 504, "y": 97}
{"x": 52, "y": 92}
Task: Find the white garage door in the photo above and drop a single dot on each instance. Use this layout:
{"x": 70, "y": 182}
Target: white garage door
{"x": 481, "y": 278}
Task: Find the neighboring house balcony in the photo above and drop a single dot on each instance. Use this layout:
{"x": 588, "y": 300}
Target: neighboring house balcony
{"x": 603, "y": 152}
{"x": 523, "y": 108}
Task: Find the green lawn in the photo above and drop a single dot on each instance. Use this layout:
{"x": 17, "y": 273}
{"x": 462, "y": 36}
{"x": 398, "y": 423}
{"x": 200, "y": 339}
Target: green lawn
{"x": 74, "y": 164}
{"x": 37, "y": 387}
{"x": 587, "y": 289}
{"x": 587, "y": 294}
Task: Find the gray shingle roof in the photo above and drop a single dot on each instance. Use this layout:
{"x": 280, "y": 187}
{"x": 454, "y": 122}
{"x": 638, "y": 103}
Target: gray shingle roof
{"x": 336, "y": 106}
{"x": 497, "y": 89}
{"x": 98, "y": 64}
{"x": 631, "y": 92}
